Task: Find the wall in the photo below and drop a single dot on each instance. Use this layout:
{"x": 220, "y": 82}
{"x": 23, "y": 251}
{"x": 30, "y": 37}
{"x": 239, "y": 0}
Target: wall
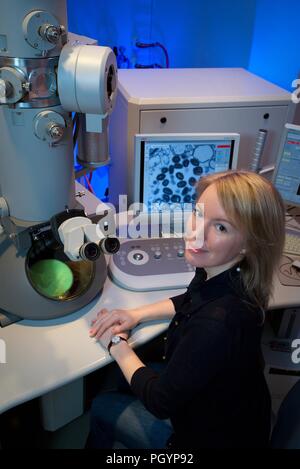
{"x": 197, "y": 33}
{"x": 276, "y": 38}
{"x": 261, "y": 35}
{"x": 225, "y": 36}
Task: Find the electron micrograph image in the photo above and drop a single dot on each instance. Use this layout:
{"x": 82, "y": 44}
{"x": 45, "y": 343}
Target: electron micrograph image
{"x": 172, "y": 169}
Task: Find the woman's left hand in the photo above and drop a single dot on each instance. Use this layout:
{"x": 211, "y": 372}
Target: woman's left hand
{"x": 105, "y": 338}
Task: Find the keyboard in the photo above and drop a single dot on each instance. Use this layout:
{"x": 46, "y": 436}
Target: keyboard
{"x": 292, "y": 242}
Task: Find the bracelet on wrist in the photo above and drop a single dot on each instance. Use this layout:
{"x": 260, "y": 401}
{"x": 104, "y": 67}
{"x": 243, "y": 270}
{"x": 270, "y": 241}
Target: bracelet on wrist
{"x": 116, "y": 339}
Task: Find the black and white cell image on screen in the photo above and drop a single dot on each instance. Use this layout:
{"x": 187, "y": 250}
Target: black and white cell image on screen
{"x": 171, "y": 170}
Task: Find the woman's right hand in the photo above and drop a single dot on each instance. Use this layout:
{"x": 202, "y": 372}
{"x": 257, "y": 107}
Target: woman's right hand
{"x": 121, "y": 319}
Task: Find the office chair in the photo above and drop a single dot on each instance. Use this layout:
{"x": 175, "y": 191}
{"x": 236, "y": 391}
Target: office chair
{"x": 286, "y": 432}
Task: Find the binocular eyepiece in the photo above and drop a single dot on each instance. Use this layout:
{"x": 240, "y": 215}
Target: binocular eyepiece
{"x": 91, "y": 251}
{"x": 110, "y": 245}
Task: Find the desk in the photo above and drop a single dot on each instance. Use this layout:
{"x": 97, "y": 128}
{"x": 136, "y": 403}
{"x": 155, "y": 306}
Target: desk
{"x": 44, "y": 355}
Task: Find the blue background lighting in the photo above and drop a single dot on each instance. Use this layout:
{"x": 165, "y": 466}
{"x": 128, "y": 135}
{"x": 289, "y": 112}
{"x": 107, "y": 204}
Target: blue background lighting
{"x": 262, "y": 36}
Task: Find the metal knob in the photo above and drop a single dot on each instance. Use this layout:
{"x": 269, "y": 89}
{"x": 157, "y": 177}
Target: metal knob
{"x": 49, "y": 126}
{"x": 55, "y": 131}
{"x": 138, "y": 256}
{"x": 50, "y": 33}
{"x": 26, "y": 86}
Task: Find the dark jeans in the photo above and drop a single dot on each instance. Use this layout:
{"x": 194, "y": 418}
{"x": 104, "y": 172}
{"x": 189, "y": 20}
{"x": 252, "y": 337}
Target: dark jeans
{"x": 119, "y": 419}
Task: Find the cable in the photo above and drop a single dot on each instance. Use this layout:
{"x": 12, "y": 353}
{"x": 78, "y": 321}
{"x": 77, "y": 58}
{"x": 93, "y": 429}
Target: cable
{"x": 75, "y": 128}
{"x": 148, "y": 66}
{"x": 89, "y": 185}
{"x": 158, "y": 44}
{"x": 145, "y": 45}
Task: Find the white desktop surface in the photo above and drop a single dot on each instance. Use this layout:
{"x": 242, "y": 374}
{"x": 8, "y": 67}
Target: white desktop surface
{"x": 44, "y": 355}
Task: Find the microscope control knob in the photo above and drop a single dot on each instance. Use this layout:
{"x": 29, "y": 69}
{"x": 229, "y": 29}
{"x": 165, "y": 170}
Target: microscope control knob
{"x": 26, "y": 86}
{"x": 50, "y": 33}
{"x": 49, "y": 126}
{"x": 56, "y": 131}
{"x": 42, "y": 31}
{"x": 180, "y": 253}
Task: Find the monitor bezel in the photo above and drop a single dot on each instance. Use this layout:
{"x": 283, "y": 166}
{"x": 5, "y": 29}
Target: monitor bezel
{"x": 287, "y": 128}
{"x": 139, "y": 139}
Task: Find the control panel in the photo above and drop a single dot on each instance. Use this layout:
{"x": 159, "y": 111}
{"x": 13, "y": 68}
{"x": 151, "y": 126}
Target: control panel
{"x": 151, "y": 264}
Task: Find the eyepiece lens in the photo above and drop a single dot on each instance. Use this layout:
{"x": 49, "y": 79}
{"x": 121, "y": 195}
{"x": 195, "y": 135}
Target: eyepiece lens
{"x": 90, "y": 251}
{"x": 112, "y": 245}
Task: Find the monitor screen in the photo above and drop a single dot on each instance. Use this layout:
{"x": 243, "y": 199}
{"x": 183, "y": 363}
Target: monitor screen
{"x": 287, "y": 170}
{"x": 168, "y": 166}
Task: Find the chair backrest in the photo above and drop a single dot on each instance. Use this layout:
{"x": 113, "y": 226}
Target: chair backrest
{"x": 286, "y": 432}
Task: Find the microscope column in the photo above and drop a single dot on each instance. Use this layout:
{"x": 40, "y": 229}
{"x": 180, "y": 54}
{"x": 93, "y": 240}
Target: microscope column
{"x": 36, "y": 154}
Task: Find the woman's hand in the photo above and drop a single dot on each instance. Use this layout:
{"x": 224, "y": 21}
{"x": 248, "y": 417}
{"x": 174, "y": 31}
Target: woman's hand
{"x": 123, "y": 320}
{"x": 105, "y": 336}
{"x": 116, "y": 320}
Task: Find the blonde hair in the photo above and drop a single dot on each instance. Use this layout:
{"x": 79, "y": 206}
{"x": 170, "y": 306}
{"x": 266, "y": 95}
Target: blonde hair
{"x": 256, "y": 208}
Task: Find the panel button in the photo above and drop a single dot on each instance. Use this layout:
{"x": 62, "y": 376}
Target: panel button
{"x": 138, "y": 256}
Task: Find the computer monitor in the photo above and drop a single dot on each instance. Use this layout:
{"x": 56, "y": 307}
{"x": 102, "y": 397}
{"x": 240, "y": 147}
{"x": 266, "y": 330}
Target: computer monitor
{"x": 286, "y": 176}
{"x": 168, "y": 166}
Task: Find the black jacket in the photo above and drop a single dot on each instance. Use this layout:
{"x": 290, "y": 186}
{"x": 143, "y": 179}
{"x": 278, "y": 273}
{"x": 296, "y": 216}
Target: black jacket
{"x": 213, "y": 388}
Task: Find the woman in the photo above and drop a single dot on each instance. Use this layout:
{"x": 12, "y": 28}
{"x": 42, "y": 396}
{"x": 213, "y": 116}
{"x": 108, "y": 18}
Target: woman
{"x": 212, "y": 388}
